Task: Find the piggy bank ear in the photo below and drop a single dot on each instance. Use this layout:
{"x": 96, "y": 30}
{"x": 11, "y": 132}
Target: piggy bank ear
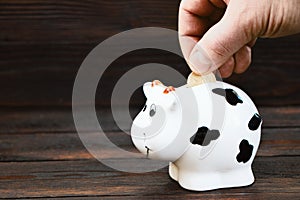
{"x": 147, "y": 90}
{"x": 157, "y": 93}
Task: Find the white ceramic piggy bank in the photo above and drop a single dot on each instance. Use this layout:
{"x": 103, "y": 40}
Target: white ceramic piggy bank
{"x": 210, "y": 133}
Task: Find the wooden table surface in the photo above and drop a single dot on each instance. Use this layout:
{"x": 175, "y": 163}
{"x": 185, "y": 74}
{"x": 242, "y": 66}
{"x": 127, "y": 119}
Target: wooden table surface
{"x": 42, "y": 156}
{"x": 42, "y": 44}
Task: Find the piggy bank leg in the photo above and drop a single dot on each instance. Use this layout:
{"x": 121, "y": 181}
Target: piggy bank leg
{"x": 203, "y": 181}
{"x": 173, "y": 171}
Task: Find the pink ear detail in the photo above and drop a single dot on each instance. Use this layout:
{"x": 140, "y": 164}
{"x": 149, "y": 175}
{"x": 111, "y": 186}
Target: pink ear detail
{"x": 155, "y": 82}
{"x": 169, "y": 89}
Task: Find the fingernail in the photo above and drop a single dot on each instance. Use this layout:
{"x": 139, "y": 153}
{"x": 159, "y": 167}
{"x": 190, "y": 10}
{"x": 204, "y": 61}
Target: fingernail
{"x": 200, "y": 62}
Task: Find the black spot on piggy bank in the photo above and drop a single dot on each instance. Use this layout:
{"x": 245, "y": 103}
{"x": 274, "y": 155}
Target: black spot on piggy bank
{"x": 204, "y": 136}
{"x": 209, "y": 133}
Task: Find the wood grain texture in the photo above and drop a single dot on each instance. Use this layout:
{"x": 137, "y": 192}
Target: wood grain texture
{"x": 220, "y": 195}
{"x": 44, "y": 42}
{"x": 91, "y": 178}
{"x": 68, "y": 146}
{"x": 55, "y": 164}
{"x": 42, "y": 45}
{"x": 23, "y": 120}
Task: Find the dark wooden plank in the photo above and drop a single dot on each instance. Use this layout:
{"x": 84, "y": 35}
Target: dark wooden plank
{"x": 193, "y": 195}
{"x": 271, "y": 78}
{"x": 274, "y": 175}
{"x": 57, "y": 21}
{"x": 280, "y": 116}
{"x": 41, "y": 147}
{"x": 44, "y": 42}
{"x": 279, "y": 141}
{"x": 67, "y": 146}
{"x": 60, "y": 119}
{"x": 28, "y": 120}
{"x": 44, "y": 74}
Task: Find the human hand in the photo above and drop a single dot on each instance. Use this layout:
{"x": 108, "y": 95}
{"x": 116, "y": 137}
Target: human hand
{"x": 220, "y": 33}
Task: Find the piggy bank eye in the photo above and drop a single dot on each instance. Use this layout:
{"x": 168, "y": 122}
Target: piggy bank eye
{"x": 152, "y": 110}
{"x": 144, "y": 108}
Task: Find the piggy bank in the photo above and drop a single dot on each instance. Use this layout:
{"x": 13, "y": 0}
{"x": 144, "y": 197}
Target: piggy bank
{"x": 209, "y": 133}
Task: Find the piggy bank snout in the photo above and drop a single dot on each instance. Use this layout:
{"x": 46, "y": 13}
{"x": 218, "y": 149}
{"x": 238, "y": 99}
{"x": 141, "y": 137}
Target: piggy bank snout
{"x": 139, "y": 126}
{"x": 147, "y": 125}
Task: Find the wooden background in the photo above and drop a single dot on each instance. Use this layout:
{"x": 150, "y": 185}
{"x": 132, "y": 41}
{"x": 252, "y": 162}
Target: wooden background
{"x": 42, "y": 44}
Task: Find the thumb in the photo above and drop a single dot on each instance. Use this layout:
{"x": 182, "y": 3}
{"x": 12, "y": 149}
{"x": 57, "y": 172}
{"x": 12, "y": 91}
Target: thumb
{"x": 220, "y": 43}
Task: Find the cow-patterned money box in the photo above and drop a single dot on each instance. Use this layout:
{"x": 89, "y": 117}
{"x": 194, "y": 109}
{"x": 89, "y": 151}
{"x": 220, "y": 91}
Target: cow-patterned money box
{"x": 209, "y": 133}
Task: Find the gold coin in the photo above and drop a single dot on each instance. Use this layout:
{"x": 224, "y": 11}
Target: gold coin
{"x": 195, "y": 79}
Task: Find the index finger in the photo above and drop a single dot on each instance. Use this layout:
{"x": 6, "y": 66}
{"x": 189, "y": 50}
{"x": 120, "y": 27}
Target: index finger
{"x": 195, "y": 18}
{"x": 192, "y": 12}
